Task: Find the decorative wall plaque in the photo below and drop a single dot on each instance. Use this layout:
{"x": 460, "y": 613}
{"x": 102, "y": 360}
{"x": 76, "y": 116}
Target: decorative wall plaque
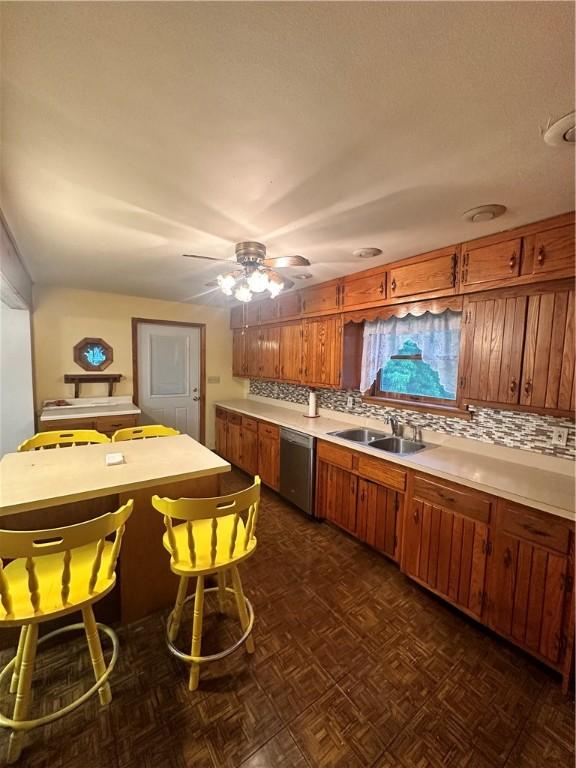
{"x": 93, "y": 354}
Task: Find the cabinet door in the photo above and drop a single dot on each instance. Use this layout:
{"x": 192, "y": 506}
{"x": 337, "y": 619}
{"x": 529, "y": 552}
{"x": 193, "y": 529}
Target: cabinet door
{"x": 435, "y": 274}
{"x": 252, "y": 343}
{"x": 269, "y": 454}
{"x": 357, "y": 291}
{"x": 237, "y": 317}
{"x": 336, "y": 499}
{"x": 491, "y": 263}
{"x": 320, "y": 298}
{"x": 268, "y": 310}
{"x": 448, "y": 552}
{"x": 526, "y": 595}
{"x": 221, "y": 430}
{"x": 376, "y": 516}
{"x": 239, "y": 364}
{"x": 234, "y": 439}
{"x": 270, "y": 353}
{"x": 252, "y": 313}
{"x": 548, "y": 367}
{"x": 322, "y": 353}
{"x": 249, "y": 451}
{"x": 554, "y": 251}
{"x": 491, "y": 349}
{"x": 291, "y": 352}
{"x": 289, "y": 304}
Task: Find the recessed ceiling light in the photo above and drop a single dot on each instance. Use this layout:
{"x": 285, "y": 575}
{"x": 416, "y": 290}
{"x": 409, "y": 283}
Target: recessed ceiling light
{"x": 562, "y": 131}
{"x": 303, "y": 276}
{"x": 367, "y": 253}
{"x": 484, "y": 213}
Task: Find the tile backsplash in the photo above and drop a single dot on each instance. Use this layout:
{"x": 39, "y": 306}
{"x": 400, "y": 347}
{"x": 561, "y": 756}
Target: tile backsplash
{"x": 514, "y": 429}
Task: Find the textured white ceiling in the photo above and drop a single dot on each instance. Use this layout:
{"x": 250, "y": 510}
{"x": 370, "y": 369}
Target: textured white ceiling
{"x": 134, "y": 132}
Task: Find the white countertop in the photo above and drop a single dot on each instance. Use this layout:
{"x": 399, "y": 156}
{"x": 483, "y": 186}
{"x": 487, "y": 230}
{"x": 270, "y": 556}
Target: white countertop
{"x": 541, "y": 482}
{"x": 38, "y": 479}
{"x": 89, "y": 407}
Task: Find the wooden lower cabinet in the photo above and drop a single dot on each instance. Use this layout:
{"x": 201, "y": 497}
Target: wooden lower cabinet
{"x": 269, "y": 454}
{"x": 248, "y": 459}
{"x": 336, "y": 495}
{"x": 234, "y": 439}
{"x": 377, "y": 513}
{"x": 105, "y": 424}
{"x": 530, "y": 581}
{"x": 221, "y": 432}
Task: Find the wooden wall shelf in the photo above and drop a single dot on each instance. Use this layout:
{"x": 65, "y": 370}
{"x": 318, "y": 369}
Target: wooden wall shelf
{"x": 92, "y": 378}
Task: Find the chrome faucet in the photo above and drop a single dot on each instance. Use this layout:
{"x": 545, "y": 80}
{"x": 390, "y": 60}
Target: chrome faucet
{"x": 394, "y": 425}
{"x": 416, "y": 433}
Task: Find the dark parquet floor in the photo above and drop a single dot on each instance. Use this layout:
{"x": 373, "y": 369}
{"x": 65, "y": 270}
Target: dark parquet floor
{"x": 354, "y": 666}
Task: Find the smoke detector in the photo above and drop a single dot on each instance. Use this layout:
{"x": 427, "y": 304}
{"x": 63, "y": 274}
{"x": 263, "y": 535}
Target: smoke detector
{"x": 367, "y": 253}
{"x": 561, "y": 132}
{"x": 484, "y": 213}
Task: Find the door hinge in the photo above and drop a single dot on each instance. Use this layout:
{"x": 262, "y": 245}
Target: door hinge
{"x": 462, "y": 381}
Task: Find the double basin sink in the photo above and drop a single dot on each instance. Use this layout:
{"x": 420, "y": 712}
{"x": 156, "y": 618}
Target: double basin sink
{"x": 381, "y": 441}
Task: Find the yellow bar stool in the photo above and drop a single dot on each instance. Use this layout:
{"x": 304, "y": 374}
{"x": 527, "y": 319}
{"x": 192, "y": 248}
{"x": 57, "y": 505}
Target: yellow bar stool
{"x": 217, "y": 535}
{"x": 143, "y": 433}
{"x": 52, "y": 573}
{"x": 58, "y": 439}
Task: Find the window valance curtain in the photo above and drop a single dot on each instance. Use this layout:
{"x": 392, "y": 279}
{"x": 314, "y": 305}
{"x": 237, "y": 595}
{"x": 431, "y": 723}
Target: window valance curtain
{"x": 436, "y": 335}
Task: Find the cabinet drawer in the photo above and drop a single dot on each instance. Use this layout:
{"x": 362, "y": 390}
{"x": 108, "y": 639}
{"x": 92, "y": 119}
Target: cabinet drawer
{"x": 268, "y": 430}
{"x": 535, "y": 526}
{"x": 363, "y": 290}
{"x": 335, "y": 454}
{"x": 65, "y": 425}
{"x": 221, "y": 413}
{"x": 112, "y": 423}
{"x": 500, "y": 261}
{"x": 381, "y": 472}
{"x": 554, "y": 250}
{"x": 249, "y": 423}
{"x": 234, "y": 418}
{"x": 461, "y": 500}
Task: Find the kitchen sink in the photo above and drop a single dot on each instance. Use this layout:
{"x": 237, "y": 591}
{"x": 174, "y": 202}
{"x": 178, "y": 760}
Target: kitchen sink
{"x": 359, "y": 435}
{"x": 397, "y": 445}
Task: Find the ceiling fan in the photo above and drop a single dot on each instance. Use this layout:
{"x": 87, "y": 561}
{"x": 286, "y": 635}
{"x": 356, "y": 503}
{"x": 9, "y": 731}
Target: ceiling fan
{"x": 256, "y": 273}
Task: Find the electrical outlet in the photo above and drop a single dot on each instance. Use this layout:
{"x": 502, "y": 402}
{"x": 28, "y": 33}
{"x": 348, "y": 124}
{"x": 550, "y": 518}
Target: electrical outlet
{"x": 559, "y": 436}
{"x": 349, "y": 402}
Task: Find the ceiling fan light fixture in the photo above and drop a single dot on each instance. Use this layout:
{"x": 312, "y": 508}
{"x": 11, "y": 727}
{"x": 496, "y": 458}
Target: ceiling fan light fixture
{"x": 258, "y": 281}
{"x": 275, "y": 286}
{"x": 226, "y": 283}
{"x": 243, "y": 292}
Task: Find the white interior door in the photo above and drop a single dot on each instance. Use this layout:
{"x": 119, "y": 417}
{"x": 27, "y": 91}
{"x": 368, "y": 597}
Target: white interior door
{"x": 169, "y": 376}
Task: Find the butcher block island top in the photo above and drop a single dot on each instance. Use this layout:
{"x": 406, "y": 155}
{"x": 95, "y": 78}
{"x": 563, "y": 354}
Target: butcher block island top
{"x": 38, "y": 479}
{"x": 74, "y": 408}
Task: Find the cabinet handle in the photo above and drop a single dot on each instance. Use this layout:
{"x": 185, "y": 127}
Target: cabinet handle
{"x": 393, "y": 284}
{"x": 416, "y": 516}
{"x": 381, "y": 289}
{"x": 454, "y": 269}
{"x": 507, "y": 558}
{"x": 528, "y": 386}
{"x": 541, "y": 255}
{"x": 513, "y": 386}
{"x": 512, "y": 262}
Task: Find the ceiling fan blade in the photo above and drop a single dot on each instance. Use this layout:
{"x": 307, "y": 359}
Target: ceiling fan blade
{"x": 206, "y": 258}
{"x": 287, "y": 261}
{"x": 287, "y": 283}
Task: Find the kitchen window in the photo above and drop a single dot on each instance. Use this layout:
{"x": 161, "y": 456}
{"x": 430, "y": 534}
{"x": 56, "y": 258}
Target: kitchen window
{"x": 412, "y": 358}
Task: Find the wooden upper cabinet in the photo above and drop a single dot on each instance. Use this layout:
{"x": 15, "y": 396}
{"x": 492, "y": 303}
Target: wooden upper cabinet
{"x": 289, "y": 304}
{"x": 490, "y": 264}
{"x": 364, "y": 289}
{"x": 491, "y": 349}
{"x": 291, "y": 351}
{"x": 237, "y": 317}
{"x": 437, "y": 273}
{"x": 270, "y": 352}
{"x": 322, "y": 351}
{"x": 320, "y": 298}
{"x": 268, "y": 310}
{"x": 252, "y": 342}
{"x": 548, "y": 365}
{"x": 554, "y": 252}
{"x": 252, "y": 313}
{"x": 239, "y": 361}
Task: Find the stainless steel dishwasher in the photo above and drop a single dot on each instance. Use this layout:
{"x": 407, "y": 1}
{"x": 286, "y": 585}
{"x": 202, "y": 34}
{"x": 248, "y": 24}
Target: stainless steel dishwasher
{"x": 297, "y": 463}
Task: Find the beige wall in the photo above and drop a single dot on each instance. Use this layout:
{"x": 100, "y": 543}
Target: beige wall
{"x": 64, "y": 316}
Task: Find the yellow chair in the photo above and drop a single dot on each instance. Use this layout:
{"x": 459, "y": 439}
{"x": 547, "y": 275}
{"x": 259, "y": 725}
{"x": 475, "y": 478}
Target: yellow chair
{"x": 142, "y": 433}
{"x": 58, "y": 439}
{"x": 213, "y": 541}
{"x": 52, "y": 573}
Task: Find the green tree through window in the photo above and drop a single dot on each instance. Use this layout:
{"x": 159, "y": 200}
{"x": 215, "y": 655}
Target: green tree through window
{"x": 407, "y": 373}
